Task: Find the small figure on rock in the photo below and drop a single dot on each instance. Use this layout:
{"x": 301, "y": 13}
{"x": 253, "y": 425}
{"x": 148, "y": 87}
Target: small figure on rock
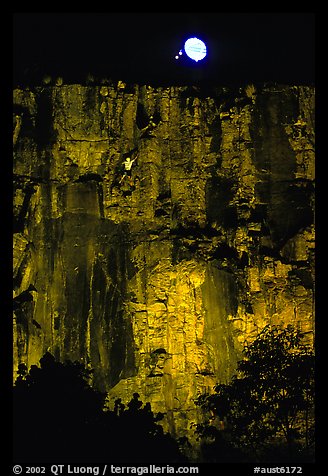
{"x": 149, "y": 127}
{"x": 128, "y": 162}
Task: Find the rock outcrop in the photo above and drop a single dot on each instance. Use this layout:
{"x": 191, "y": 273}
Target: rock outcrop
{"x": 157, "y": 280}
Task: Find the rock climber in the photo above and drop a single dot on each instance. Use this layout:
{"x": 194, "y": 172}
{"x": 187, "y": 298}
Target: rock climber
{"x": 150, "y": 126}
{"x": 128, "y": 162}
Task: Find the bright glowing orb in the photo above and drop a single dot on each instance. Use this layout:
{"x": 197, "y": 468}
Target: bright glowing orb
{"x": 195, "y": 49}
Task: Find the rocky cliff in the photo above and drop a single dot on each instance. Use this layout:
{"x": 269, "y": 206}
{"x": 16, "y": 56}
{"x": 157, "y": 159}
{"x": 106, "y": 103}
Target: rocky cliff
{"x": 157, "y": 280}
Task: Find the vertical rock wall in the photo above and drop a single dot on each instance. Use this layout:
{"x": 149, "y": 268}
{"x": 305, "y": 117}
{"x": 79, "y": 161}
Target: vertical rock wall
{"x": 158, "y": 281}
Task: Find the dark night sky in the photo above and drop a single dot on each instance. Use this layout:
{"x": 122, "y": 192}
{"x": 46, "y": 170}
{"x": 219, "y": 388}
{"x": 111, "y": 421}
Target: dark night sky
{"x": 140, "y": 47}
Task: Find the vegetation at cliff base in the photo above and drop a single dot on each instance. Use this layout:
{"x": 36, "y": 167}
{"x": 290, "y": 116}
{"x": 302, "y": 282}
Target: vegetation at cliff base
{"x": 58, "y": 414}
{"x": 266, "y": 413}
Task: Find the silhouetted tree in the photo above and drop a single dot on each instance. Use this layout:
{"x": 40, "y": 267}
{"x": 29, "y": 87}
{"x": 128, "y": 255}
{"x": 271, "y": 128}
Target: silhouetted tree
{"x": 53, "y": 404}
{"x": 267, "y": 411}
{"x": 58, "y": 414}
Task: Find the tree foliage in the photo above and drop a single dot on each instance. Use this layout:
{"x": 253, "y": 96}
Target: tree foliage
{"x": 58, "y": 414}
{"x": 267, "y": 411}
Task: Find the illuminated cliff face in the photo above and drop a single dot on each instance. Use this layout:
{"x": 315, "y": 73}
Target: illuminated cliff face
{"x": 157, "y": 280}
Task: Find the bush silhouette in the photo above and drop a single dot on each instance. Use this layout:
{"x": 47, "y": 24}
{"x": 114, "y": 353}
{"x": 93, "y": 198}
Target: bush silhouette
{"x": 267, "y": 411}
{"x": 58, "y": 414}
